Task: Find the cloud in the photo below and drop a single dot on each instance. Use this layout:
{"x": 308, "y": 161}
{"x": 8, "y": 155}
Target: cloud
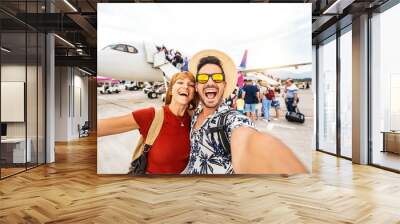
{"x": 273, "y": 33}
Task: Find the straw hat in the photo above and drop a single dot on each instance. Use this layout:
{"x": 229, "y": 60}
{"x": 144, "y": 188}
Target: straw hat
{"x": 227, "y": 64}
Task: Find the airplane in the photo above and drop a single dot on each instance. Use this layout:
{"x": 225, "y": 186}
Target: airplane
{"x": 259, "y": 73}
{"x": 136, "y": 61}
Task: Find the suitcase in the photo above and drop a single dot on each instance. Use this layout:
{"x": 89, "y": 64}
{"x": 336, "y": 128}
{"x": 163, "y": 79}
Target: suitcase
{"x": 295, "y": 116}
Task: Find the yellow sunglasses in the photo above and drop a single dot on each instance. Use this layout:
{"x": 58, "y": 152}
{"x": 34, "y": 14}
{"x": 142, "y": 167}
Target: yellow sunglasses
{"x": 216, "y": 77}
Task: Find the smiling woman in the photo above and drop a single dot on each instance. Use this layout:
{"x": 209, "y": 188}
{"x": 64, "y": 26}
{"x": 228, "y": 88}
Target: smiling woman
{"x": 164, "y": 157}
{"x": 177, "y": 88}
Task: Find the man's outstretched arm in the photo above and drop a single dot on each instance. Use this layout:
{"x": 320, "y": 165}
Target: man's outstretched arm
{"x": 256, "y": 152}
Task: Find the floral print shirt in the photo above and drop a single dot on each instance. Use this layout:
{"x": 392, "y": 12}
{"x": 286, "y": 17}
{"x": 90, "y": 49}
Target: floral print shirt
{"x": 207, "y": 155}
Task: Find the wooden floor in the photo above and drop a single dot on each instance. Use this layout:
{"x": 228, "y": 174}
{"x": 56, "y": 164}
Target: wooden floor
{"x": 387, "y": 159}
{"x": 70, "y": 191}
{"x": 10, "y": 171}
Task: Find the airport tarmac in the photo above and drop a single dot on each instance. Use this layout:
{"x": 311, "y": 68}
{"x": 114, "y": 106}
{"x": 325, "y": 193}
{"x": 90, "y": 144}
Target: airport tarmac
{"x": 114, "y": 152}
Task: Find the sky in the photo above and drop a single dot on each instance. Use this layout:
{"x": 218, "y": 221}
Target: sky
{"x": 273, "y": 34}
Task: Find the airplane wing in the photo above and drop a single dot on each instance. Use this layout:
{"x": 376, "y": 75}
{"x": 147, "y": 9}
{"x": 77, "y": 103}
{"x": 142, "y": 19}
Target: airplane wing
{"x": 258, "y": 76}
{"x": 274, "y": 67}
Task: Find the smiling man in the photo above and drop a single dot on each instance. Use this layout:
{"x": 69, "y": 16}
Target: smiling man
{"x": 222, "y": 140}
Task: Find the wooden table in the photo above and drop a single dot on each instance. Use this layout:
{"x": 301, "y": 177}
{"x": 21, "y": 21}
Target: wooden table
{"x": 391, "y": 141}
{"x": 13, "y": 150}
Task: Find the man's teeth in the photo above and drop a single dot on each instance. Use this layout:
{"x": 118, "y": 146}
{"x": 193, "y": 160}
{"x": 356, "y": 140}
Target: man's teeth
{"x": 211, "y": 91}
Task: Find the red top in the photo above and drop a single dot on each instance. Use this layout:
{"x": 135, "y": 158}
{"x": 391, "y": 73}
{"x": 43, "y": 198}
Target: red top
{"x": 170, "y": 151}
{"x": 270, "y": 94}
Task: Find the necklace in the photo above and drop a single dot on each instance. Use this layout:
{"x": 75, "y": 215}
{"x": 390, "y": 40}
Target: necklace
{"x": 180, "y": 119}
{"x": 182, "y": 124}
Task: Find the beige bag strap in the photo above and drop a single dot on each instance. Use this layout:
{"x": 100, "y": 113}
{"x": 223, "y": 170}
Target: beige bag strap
{"x": 138, "y": 149}
{"x": 152, "y": 134}
{"x": 155, "y": 126}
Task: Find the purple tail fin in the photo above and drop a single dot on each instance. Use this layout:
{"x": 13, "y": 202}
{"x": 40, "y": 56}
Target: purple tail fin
{"x": 244, "y": 60}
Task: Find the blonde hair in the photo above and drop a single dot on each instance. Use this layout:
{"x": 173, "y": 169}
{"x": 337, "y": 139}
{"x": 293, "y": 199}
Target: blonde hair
{"x": 181, "y": 75}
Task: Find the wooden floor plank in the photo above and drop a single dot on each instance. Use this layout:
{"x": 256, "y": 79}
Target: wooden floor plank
{"x": 70, "y": 191}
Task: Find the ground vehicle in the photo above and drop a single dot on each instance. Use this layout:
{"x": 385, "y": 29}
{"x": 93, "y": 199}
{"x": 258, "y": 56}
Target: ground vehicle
{"x": 147, "y": 87}
{"x": 153, "y": 91}
{"x": 133, "y": 85}
{"x": 301, "y": 85}
{"x": 108, "y": 89}
{"x": 107, "y": 85}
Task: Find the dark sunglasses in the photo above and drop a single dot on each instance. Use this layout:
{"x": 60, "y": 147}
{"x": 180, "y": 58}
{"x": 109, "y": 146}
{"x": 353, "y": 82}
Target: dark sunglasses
{"x": 216, "y": 77}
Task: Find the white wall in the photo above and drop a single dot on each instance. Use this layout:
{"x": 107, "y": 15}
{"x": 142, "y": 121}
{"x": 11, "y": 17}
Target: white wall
{"x": 50, "y": 94}
{"x": 62, "y": 82}
{"x": 314, "y": 89}
{"x": 13, "y": 73}
{"x": 71, "y": 93}
{"x": 34, "y": 124}
{"x": 80, "y": 94}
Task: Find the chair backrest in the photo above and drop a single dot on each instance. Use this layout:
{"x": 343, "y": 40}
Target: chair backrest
{"x": 86, "y": 125}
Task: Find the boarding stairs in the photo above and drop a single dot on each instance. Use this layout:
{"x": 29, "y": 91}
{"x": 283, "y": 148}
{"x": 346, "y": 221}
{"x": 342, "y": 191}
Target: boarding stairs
{"x": 159, "y": 60}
